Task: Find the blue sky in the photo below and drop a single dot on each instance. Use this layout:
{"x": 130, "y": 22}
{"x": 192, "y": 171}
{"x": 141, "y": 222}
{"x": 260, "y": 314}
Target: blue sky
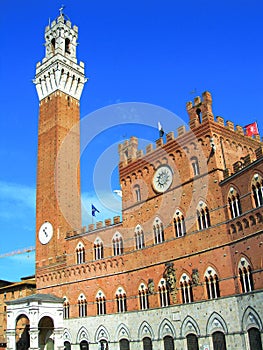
{"x": 155, "y": 52}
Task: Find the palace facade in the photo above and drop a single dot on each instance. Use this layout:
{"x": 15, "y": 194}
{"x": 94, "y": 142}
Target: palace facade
{"x": 182, "y": 269}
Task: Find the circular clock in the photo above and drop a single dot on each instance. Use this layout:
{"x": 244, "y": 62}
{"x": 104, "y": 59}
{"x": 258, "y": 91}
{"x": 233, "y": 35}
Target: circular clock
{"x": 45, "y": 232}
{"x": 163, "y": 178}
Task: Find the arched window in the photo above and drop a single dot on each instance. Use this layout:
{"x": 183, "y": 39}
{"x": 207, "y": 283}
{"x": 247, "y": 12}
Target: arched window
{"x": 168, "y": 343}
{"x": 163, "y": 293}
{"x": 219, "y": 341}
{"x": 195, "y": 166}
{"x": 84, "y": 345}
{"x": 137, "y": 192}
{"x": 124, "y": 344}
{"x": 144, "y": 297}
{"x": 179, "y": 224}
{"x": 212, "y": 284}
{"x": 203, "y": 216}
{"x": 53, "y": 45}
{"x": 139, "y": 237}
{"x": 82, "y": 303}
{"x": 98, "y": 249}
{"x": 234, "y": 203}
{"x": 101, "y": 303}
{"x": 117, "y": 244}
{"x": 192, "y": 342}
{"x": 67, "y": 46}
{"x": 257, "y": 189}
{"x": 147, "y": 343}
{"x": 80, "y": 253}
{"x": 254, "y": 339}
{"x": 66, "y": 308}
{"x": 158, "y": 231}
{"x": 103, "y": 344}
{"x": 186, "y": 289}
{"x": 245, "y": 276}
{"x": 121, "y": 300}
{"x": 67, "y": 345}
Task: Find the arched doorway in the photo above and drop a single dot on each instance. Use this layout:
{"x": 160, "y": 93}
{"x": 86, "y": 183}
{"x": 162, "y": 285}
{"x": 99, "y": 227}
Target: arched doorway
{"x": 254, "y": 339}
{"x": 22, "y": 333}
{"x": 219, "y": 341}
{"x": 46, "y": 330}
{"x": 84, "y": 345}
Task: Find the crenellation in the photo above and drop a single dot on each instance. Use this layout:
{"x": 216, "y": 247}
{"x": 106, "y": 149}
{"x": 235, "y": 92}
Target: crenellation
{"x": 239, "y": 130}
{"x": 181, "y": 130}
{"x": 149, "y": 148}
{"x": 159, "y": 142}
{"x": 197, "y": 101}
{"x": 220, "y": 120}
{"x": 230, "y": 125}
{"x": 170, "y": 136}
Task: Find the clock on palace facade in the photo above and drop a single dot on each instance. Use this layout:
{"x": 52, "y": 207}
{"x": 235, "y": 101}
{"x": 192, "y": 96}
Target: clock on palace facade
{"x": 59, "y": 82}
{"x": 162, "y": 179}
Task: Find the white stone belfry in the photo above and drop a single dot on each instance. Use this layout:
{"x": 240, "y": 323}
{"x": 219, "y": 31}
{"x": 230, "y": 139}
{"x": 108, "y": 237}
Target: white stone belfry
{"x": 59, "y": 69}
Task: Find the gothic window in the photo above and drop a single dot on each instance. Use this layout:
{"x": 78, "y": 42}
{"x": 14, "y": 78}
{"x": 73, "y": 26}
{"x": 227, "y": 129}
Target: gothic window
{"x": 245, "y": 276}
{"x": 82, "y": 303}
{"x": 66, "y": 308}
{"x": 163, "y": 293}
{"x": 195, "y": 166}
{"x": 117, "y": 244}
{"x": 139, "y": 237}
{"x": 137, "y": 192}
{"x": 67, "y": 345}
{"x": 203, "y": 216}
{"x": 124, "y": 344}
{"x": 257, "y": 189}
{"x": 121, "y": 300}
{"x": 179, "y": 224}
{"x": 192, "y": 342}
{"x": 80, "y": 253}
{"x": 103, "y": 345}
{"x": 53, "y": 45}
{"x": 186, "y": 289}
{"x": 234, "y": 203}
{"x": 168, "y": 343}
{"x": 158, "y": 231}
{"x": 144, "y": 297}
{"x": 219, "y": 341}
{"x": 101, "y": 303}
{"x": 147, "y": 343}
{"x": 254, "y": 339}
{"x": 84, "y": 345}
{"x": 212, "y": 284}
{"x": 98, "y": 249}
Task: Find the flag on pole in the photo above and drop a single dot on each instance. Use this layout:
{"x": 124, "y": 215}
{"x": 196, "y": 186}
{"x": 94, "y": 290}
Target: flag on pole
{"x": 160, "y": 128}
{"x": 94, "y": 210}
{"x": 251, "y": 129}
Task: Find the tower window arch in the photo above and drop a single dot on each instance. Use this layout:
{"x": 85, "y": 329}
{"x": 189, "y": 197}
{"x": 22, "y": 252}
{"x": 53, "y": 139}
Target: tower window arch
{"x": 245, "y": 276}
{"x": 121, "y": 300}
{"x": 98, "y": 249}
{"x": 143, "y": 297}
{"x": 53, "y": 45}
{"x": 186, "y": 289}
{"x": 203, "y": 216}
{"x": 67, "y": 45}
{"x": 80, "y": 253}
{"x": 137, "y": 192}
{"x": 179, "y": 224}
{"x": 139, "y": 237}
{"x": 257, "y": 190}
{"x": 82, "y": 304}
{"x": 212, "y": 284}
{"x": 101, "y": 303}
{"x": 158, "y": 231}
{"x": 234, "y": 203}
{"x": 117, "y": 244}
{"x": 163, "y": 293}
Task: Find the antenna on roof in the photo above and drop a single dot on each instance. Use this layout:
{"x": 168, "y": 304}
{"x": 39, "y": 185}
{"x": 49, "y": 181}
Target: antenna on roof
{"x": 61, "y": 10}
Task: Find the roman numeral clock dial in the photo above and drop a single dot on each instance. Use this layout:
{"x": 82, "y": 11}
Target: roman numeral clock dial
{"x": 45, "y": 232}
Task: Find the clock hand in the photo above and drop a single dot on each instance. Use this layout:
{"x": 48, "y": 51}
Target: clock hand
{"x": 44, "y": 230}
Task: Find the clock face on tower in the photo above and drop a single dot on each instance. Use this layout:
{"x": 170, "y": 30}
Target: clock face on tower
{"x": 163, "y": 178}
{"x": 45, "y": 232}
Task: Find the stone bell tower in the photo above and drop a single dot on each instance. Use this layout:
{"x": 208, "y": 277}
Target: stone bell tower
{"x": 59, "y": 82}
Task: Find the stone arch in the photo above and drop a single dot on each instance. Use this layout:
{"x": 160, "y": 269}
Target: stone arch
{"x": 101, "y": 334}
{"x": 216, "y": 323}
{"x": 67, "y": 336}
{"x": 145, "y": 330}
{"x": 122, "y": 332}
{"x": 82, "y": 334}
{"x": 22, "y": 325}
{"x": 166, "y": 329}
{"x": 189, "y": 326}
{"x": 46, "y": 330}
{"x": 251, "y": 319}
